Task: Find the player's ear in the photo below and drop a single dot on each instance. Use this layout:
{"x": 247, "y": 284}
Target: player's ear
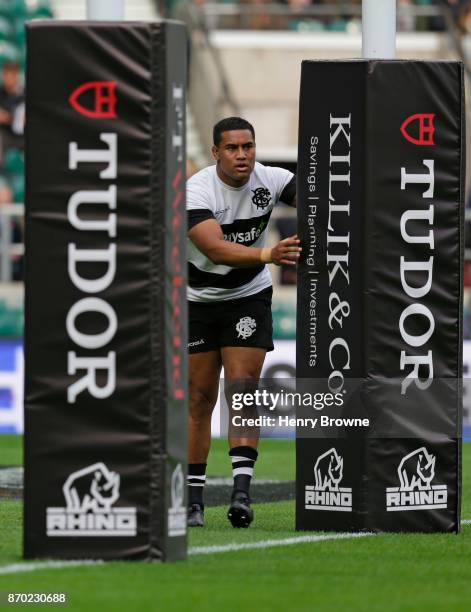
{"x": 215, "y": 152}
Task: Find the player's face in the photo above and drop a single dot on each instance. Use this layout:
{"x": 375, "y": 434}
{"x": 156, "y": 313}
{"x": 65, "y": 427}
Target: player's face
{"x": 235, "y": 157}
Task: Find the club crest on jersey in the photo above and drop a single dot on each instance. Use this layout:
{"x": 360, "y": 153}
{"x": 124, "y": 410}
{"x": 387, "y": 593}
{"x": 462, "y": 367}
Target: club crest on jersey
{"x": 261, "y": 197}
{"x": 246, "y": 327}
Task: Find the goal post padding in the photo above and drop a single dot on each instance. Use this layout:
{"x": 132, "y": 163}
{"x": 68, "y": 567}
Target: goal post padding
{"x": 381, "y": 213}
{"x": 105, "y": 317}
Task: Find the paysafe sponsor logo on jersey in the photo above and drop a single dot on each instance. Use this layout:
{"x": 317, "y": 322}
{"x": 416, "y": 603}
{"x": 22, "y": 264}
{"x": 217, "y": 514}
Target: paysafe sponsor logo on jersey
{"x": 89, "y": 495}
{"x": 327, "y": 494}
{"x": 177, "y": 511}
{"x": 248, "y": 237}
{"x": 416, "y": 491}
{"x": 246, "y": 327}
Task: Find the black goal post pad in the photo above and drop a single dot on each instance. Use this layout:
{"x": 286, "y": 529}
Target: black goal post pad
{"x": 106, "y": 332}
{"x": 381, "y": 213}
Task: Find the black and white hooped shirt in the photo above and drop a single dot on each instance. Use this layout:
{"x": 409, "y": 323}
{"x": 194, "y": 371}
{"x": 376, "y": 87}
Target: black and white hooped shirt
{"x": 243, "y": 214}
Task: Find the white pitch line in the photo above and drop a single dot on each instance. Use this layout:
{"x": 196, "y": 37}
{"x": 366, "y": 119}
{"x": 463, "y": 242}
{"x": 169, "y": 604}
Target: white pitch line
{"x": 196, "y": 550}
{"x": 219, "y": 481}
{"x": 40, "y": 565}
{"x": 209, "y": 550}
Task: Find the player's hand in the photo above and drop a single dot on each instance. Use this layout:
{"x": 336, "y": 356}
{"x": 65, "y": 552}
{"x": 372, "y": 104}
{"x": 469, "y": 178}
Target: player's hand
{"x": 5, "y": 117}
{"x": 287, "y": 251}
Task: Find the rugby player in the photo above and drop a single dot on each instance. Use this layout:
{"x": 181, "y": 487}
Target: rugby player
{"x": 229, "y": 206}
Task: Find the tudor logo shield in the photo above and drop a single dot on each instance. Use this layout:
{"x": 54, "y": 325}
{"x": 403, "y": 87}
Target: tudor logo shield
{"x": 419, "y": 129}
{"x": 95, "y": 99}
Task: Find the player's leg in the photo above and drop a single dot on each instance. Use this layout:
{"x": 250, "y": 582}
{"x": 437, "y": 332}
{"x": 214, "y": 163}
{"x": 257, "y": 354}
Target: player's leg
{"x": 242, "y": 369}
{"x": 247, "y": 336}
{"x": 204, "y": 373}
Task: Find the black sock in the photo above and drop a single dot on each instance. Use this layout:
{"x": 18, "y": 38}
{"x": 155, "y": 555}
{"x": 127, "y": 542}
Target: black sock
{"x": 243, "y": 461}
{"x": 196, "y": 480}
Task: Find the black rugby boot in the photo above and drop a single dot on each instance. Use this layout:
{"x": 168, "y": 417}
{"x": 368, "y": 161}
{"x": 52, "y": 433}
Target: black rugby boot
{"x": 240, "y": 513}
{"x": 195, "y": 515}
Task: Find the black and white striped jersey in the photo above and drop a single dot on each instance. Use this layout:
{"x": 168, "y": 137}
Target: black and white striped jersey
{"x": 243, "y": 214}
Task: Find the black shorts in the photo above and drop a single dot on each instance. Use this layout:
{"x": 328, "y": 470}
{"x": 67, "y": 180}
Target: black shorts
{"x": 245, "y": 321}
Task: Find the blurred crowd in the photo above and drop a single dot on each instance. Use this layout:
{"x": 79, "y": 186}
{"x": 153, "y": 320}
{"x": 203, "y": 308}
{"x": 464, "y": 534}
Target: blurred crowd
{"x": 12, "y": 116}
{"x": 13, "y": 16}
{"x": 320, "y": 15}
{"x": 11, "y": 134}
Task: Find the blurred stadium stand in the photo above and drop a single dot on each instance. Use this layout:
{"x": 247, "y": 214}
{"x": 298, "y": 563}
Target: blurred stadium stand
{"x": 76, "y": 9}
{"x": 245, "y": 59}
{"x": 13, "y": 16}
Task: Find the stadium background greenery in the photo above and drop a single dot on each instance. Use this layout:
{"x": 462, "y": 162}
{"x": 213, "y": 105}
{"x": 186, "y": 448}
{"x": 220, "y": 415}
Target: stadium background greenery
{"x": 383, "y": 572}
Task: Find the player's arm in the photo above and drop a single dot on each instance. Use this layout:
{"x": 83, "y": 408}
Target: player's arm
{"x": 288, "y": 195}
{"x": 207, "y": 236}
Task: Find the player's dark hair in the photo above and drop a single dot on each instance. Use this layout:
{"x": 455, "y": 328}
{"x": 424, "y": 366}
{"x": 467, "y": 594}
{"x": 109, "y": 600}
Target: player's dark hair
{"x": 230, "y": 123}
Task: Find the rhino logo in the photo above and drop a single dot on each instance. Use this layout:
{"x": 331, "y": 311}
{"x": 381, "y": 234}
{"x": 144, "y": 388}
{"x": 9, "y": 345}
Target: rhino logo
{"x": 328, "y": 471}
{"x": 92, "y": 488}
{"x": 416, "y": 491}
{"x": 177, "y": 484}
{"x": 90, "y": 494}
{"x": 327, "y": 494}
{"x": 417, "y": 470}
{"x": 177, "y": 511}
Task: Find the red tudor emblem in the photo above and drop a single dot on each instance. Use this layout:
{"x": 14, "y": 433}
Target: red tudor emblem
{"x": 102, "y": 103}
{"x": 425, "y": 128}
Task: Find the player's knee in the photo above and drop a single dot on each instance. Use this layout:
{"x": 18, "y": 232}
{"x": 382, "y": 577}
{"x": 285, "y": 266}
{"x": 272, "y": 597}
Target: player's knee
{"x": 243, "y": 372}
{"x": 199, "y": 415}
{"x": 201, "y": 401}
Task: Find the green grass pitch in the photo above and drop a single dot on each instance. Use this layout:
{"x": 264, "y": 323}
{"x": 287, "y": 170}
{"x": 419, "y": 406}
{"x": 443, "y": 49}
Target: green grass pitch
{"x": 383, "y": 572}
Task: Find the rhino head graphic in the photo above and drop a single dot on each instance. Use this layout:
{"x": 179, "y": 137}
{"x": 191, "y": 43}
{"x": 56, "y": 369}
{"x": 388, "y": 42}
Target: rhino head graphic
{"x": 417, "y": 470}
{"x": 328, "y": 470}
{"x": 92, "y": 488}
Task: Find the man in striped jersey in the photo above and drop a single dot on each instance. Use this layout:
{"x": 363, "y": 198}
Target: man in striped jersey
{"x": 229, "y": 205}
